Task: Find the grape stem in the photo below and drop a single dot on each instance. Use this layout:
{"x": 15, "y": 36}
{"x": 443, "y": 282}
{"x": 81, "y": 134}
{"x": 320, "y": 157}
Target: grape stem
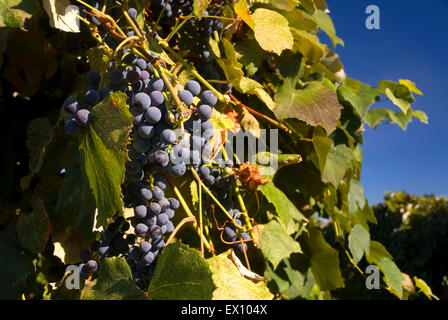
{"x": 133, "y": 25}
{"x": 122, "y": 43}
{"x": 179, "y": 225}
{"x": 258, "y": 114}
{"x": 189, "y": 213}
{"x": 198, "y": 179}
{"x": 213, "y": 17}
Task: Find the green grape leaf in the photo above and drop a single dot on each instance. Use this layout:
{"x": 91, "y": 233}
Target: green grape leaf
{"x": 376, "y": 252}
{"x": 231, "y": 285}
{"x": 375, "y": 116}
{"x": 114, "y": 282}
{"x": 289, "y": 215}
{"x": 423, "y": 286}
{"x": 359, "y": 242}
{"x": 181, "y": 274}
{"x": 361, "y": 100}
{"x": 399, "y": 94}
{"x": 308, "y": 45}
{"x": 325, "y": 23}
{"x": 315, "y": 105}
{"x": 276, "y": 244}
{"x": 34, "y": 228}
{"x": 421, "y": 116}
{"x": 324, "y": 261}
{"x": 16, "y": 266}
{"x": 103, "y": 153}
{"x": 356, "y": 198}
{"x": 272, "y": 31}
{"x": 250, "y": 55}
{"x": 338, "y": 161}
{"x": 38, "y": 137}
{"x": 400, "y": 118}
{"x": 322, "y": 145}
{"x": 13, "y": 13}
{"x": 393, "y": 276}
{"x": 99, "y": 57}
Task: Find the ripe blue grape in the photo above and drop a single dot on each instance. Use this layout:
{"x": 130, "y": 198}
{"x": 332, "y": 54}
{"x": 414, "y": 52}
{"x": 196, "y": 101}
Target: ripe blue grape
{"x": 174, "y": 203}
{"x": 162, "y": 219}
{"x": 91, "y": 97}
{"x": 141, "y": 101}
{"x": 140, "y": 211}
{"x": 132, "y": 13}
{"x": 194, "y": 87}
{"x": 156, "y": 98}
{"x": 83, "y": 117}
{"x": 186, "y": 97}
{"x": 168, "y": 136}
{"x": 71, "y": 126}
{"x": 208, "y": 97}
{"x": 153, "y": 115}
{"x": 146, "y": 131}
{"x": 133, "y": 74}
{"x": 205, "y": 112}
{"x": 145, "y": 247}
{"x": 155, "y": 208}
{"x": 116, "y": 77}
{"x": 141, "y": 229}
{"x": 70, "y": 105}
{"x": 92, "y": 266}
{"x": 177, "y": 170}
{"x": 93, "y": 78}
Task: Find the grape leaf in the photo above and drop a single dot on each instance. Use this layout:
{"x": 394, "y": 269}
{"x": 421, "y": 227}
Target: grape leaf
{"x": 62, "y": 15}
{"x": 114, "y": 282}
{"x": 181, "y": 274}
{"x": 324, "y": 261}
{"x": 276, "y": 244}
{"x": 410, "y": 85}
{"x": 231, "y": 285}
{"x": 376, "y": 252}
{"x": 421, "y": 284}
{"x": 393, "y": 276}
{"x": 287, "y": 212}
{"x": 315, "y": 105}
{"x": 322, "y": 145}
{"x": 359, "y": 242}
{"x": 103, "y": 154}
{"x": 272, "y": 30}
{"x": 356, "y": 198}
{"x": 242, "y": 9}
{"x": 308, "y": 45}
{"x": 34, "y": 228}
{"x": 326, "y": 24}
{"x": 338, "y": 161}
{"x": 16, "y": 266}
{"x": 13, "y": 13}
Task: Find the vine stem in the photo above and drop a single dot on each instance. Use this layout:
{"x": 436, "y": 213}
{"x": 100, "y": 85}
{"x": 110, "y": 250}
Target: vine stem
{"x": 201, "y": 226}
{"x": 198, "y": 179}
{"x": 179, "y": 225}
{"x": 175, "y": 30}
{"x": 188, "y": 212}
{"x": 242, "y": 204}
{"x": 122, "y": 43}
{"x": 258, "y": 114}
{"x": 133, "y": 25}
{"x": 102, "y": 14}
{"x": 213, "y": 17}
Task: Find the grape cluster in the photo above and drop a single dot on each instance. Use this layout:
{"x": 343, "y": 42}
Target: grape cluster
{"x": 80, "y": 115}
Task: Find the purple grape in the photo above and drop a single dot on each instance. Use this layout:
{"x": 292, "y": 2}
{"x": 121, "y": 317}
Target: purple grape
{"x": 83, "y": 117}
{"x": 194, "y": 87}
{"x": 145, "y": 247}
{"x": 186, "y": 97}
{"x": 91, "y": 97}
{"x": 205, "y": 112}
{"x": 156, "y": 98}
{"x": 141, "y": 229}
{"x": 92, "y": 266}
{"x": 71, "y": 126}
{"x": 153, "y": 115}
{"x": 93, "y": 77}
{"x": 70, "y": 105}
{"x": 208, "y": 97}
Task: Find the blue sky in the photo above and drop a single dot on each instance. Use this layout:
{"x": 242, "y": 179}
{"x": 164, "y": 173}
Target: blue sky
{"x": 411, "y": 44}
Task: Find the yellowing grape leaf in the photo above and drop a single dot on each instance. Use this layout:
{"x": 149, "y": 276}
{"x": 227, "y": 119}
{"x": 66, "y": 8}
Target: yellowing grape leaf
{"x": 272, "y": 30}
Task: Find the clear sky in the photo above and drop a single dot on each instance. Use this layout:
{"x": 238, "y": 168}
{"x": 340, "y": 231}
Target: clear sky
{"x": 411, "y": 44}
